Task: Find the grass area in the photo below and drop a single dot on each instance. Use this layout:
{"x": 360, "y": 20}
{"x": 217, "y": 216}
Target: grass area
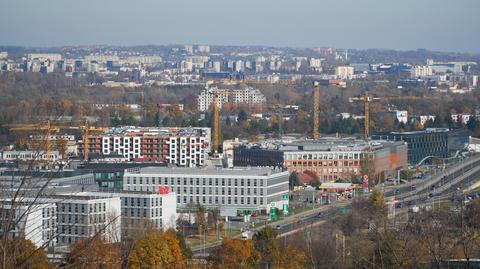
{"x": 197, "y": 240}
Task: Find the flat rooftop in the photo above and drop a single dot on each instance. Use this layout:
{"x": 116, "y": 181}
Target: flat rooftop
{"x": 155, "y": 131}
{"x": 237, "y": 171}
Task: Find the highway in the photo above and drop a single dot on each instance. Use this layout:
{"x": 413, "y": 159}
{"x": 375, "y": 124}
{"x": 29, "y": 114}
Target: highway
{"x": 440, "y": 186}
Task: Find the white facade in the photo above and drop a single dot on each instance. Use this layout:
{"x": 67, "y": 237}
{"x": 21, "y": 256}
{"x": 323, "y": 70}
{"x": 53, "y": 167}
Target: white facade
{"x": 28, "y": 155}
{"x": 241, "y": 188}
{"x": 344, "y": 72}
{"x": 421, "y": 71}
{"x": 81, "y": 217}
{"x": 140, "y": 208}
{"x": 247, "y": 96}
{"x": 37, "y": 222}
{"x": 44, "y": 56}
{"x": 464, "y": 118}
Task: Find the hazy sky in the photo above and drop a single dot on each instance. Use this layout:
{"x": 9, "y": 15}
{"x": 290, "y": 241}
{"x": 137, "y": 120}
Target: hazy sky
{"x": 446, "y": 25}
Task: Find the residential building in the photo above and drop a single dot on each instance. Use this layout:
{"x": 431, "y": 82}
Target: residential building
{"x": 179, "y": 146}
{"x": 400, "y": 116}
{"x": 28, "y": 155}
{"x": 344, "y": 72}
{"x": 247, "y": 96}
{"x": 244, "y": 189}
{"x": 421, "y": 71}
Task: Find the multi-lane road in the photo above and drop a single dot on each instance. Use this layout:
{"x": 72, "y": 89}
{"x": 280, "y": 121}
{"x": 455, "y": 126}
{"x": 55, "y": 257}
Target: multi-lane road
{"x": 450, "y": 182}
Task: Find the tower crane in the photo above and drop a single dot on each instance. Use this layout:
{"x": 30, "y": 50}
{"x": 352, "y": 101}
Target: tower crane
{"x": 366, "y": 99}
{"x": 316, "y": 106}
{"x": 45, "y": 128}
{"x": 48, "y": 128}
{"x": 216, "y": 130}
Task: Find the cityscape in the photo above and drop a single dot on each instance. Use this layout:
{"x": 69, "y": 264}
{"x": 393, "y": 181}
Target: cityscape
{"x": 206, "y": 154}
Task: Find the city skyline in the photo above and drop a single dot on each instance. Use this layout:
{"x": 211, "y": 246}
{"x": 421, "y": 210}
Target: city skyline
{"x": 350, "y": 24}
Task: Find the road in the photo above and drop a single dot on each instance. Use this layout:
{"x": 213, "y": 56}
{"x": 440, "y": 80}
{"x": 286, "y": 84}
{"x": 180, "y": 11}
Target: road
{"x": 421, "y": 191}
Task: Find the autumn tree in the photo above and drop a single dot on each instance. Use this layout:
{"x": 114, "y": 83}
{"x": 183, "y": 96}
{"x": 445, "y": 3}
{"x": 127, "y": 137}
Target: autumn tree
{"x": 22, "y": 254}
{"x": 156, "y": 250}
{"x": 94, "y": 253}
{"x": 234, "y": 253}
{"x": 267, "y": 246}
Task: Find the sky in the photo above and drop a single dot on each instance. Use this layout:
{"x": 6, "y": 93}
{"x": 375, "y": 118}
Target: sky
{"x": 442, "y": 25}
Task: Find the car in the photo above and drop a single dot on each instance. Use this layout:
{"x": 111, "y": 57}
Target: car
{"x": 254, "y": 214}
{"x": 398, "y": 205}
{"x": 319, "y": 215}
{"x": 414, "y": 187}
{"x": 278, "y": 227}
{"x": 397, "y": 191}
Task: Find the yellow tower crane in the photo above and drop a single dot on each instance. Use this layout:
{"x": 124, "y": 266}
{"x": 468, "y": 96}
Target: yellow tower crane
{"x": 45, "y": 128}
{"x": 216, "y": 130}
{"x": 316, "y": 106}
{"x": 366, "y": 99}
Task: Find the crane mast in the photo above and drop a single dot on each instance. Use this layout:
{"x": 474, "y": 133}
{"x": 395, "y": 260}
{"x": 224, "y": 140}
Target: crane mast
{"x": 316, "y": 105}
{"x": 216, "y": 130}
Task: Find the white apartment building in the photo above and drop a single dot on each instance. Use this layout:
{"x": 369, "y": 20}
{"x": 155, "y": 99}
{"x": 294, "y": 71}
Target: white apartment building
{"x": 400, "y": 115}
{"x": 180, "y": 146}
{"x": 247, "y": 96}
{"x": 344, "y": 72}
{"x": 243, "y": 189}
{"x": 28, "y": 155}
{"x": 203, "y": 48}
{"x": 421, "y": 71}
{"x": 316, "y": 64}
{"x": 53, "y": 57}
{"x": 464, "y": 118}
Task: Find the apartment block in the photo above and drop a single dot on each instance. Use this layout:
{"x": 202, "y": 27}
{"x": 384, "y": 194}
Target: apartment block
{"x": 179, "y": 146}
{"x": 247, "y": 96}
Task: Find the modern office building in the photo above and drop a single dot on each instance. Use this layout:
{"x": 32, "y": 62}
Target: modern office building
{"x": 243, "y": 189}
{"x": 143, "y": 209}
{"x": 431, "y": 142}
{"x": 179, "y": 146}
{"x": 329, "y": 158}
{"x": 35, "y": 223}
{"x": 245, "y": 155}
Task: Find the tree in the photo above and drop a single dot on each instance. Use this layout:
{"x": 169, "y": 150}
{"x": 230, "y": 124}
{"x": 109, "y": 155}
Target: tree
{"x": 186, "y": 251}
{"x": 200, "y": 221}
{"x": 293, "y": 180}
{"x": 242, "y": 116}
{"x": 94, "y": 253}
{"x": 234, "y": 253}
{"x": 61, "y": 144}
{"x": 156, "y": 250}
{"x": 23, "y": 254}
{"x": 267, "y": 246}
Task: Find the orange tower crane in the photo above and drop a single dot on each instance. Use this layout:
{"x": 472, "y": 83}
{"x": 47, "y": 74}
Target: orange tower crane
{"x": 366, "y": 99}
